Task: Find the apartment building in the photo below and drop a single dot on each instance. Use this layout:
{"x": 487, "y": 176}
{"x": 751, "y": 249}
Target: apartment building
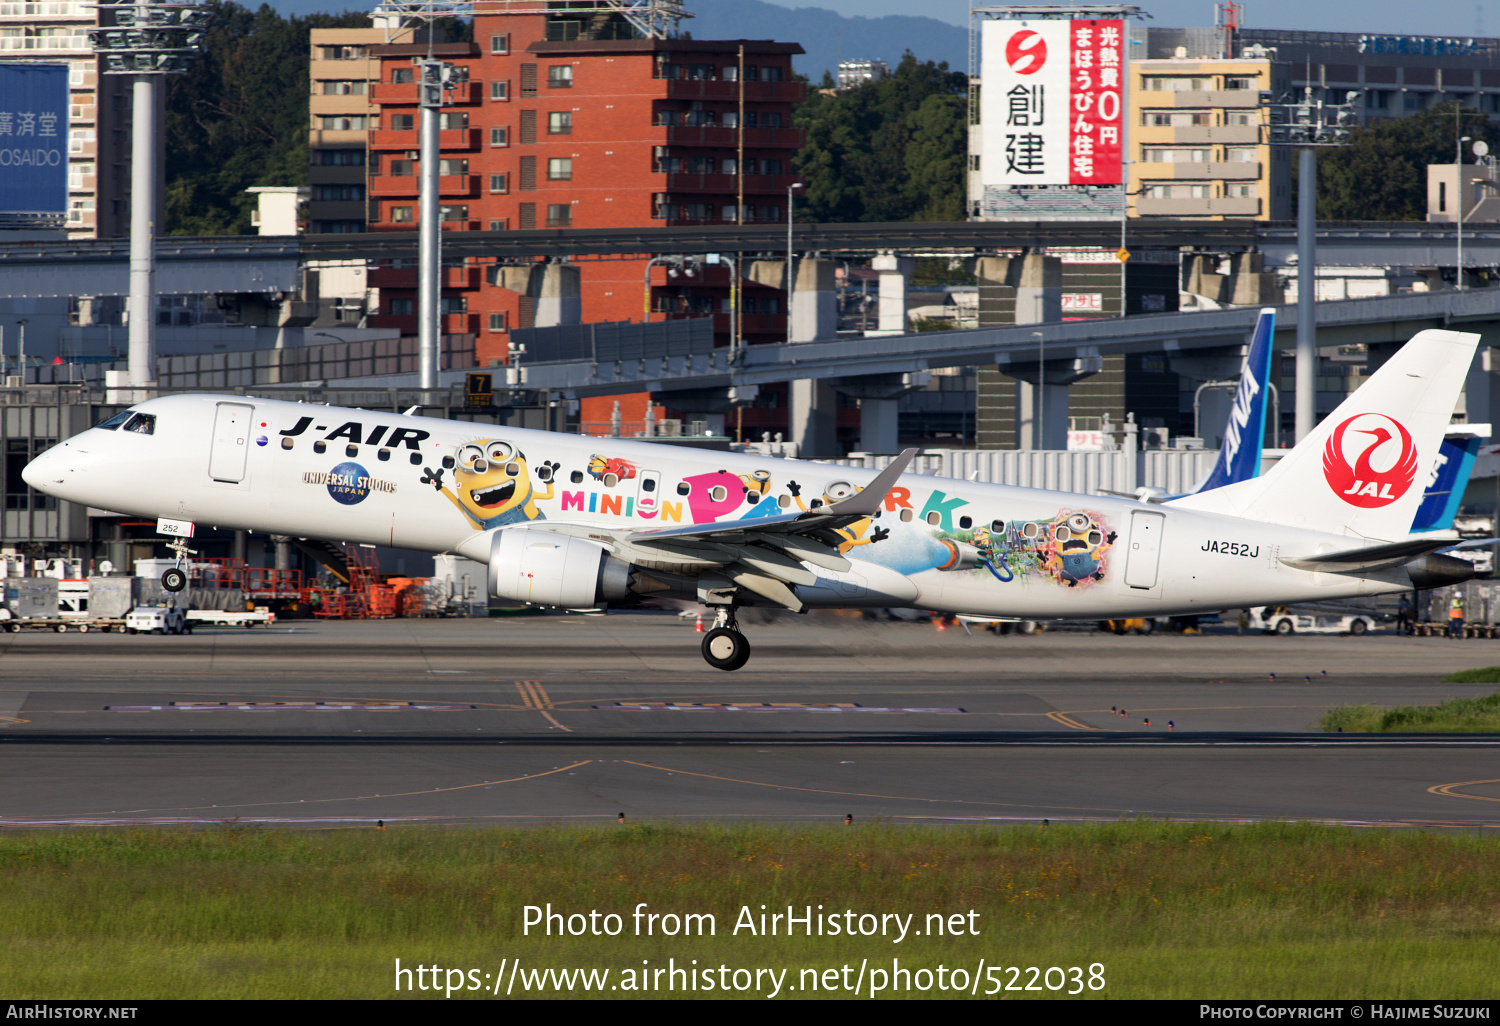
{"x": 571, "y": 117}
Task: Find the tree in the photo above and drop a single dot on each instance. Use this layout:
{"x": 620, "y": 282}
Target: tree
{"x": 1381, "y": 175}
{"x": 239, "y": 117}
{"x": 893, "y": 149}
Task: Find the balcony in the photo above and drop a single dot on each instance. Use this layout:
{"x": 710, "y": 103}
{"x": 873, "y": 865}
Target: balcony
{"x": 1234, "y": 171}
{"x": 466, "y": 277}
{"x": 718, "y": 135}
{"x": 449, "y": 139}
{"x": 1230, "y": 134}
{"x": 409, "y": 185}
{"x": 763, "y": 92}
{"x": 1223, "y": 206}
{"x": 1234, "y": 98}
{"x": 337, "y": 137}
{"x": 406, "y": 93}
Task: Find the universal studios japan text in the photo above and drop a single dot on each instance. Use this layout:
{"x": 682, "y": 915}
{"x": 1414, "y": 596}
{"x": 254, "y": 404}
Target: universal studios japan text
{"x": 1053, "y": 102}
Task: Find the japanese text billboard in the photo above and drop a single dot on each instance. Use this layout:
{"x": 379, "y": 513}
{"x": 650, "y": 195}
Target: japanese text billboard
{"x": 33, "y": 138}
{"x": 1052, "y": 102}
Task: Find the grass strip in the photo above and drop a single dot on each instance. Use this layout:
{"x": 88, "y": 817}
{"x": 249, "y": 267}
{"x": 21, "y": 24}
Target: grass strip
{"x": 1479, "y": 675}
{"x": 1456, "y": 716}
{"x": 1170, "y": 910}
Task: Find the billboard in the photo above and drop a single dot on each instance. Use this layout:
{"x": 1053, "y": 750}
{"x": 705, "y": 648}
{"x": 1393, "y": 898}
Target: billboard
{"x": 33, "y": 141}
{"x": 1052, "y": 102}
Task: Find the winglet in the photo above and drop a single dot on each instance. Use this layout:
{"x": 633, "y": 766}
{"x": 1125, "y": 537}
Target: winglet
{"x": 868, "y": 502}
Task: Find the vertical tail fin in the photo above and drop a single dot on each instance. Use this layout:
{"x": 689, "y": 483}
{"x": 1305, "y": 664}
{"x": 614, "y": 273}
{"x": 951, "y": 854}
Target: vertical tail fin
{"x": 1357, "y": 472}
{"x": 1239, "y": 457}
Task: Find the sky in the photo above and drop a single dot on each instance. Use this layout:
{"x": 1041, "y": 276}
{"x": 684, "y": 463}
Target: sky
{"x": 1458, "y": 18}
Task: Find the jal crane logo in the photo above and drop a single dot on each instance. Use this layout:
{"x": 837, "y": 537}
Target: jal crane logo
{"x": 1385, "y": 460}
{"x": 1026, "y": 52}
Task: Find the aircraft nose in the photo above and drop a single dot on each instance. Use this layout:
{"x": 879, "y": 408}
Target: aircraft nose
{"x": 46, "y": 472}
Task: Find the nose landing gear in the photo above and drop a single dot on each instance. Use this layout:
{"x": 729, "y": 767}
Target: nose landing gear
{"x": 174, "y": 579}
{"x": 724, "y": 647}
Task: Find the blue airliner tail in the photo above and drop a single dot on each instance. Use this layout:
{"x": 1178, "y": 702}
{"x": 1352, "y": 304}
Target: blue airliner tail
{"x": 1239, "y": 457}
{"x": 1449, "y": 478}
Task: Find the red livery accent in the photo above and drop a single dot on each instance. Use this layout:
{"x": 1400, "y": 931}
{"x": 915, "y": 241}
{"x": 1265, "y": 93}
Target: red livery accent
{"x": 1361, "y": 484}
{"x": 1026, "y": 52}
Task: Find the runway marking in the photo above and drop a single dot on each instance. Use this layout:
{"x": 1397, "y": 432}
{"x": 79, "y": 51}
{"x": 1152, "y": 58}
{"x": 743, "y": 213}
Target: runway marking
{"x": 896, "y": 797}
{"x": 764, "y": 707}
{"x": 1447, "y": 790}
{"x": 335, "y": 706}
{"x": 1068, "y": 721}
{"x": 322, "y": 801}
{"x": 534, "y": 696}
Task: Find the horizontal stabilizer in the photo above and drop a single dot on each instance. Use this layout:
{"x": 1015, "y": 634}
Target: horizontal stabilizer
{"x": 1370, "y": 557}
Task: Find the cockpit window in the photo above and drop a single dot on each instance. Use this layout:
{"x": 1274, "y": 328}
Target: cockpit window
{"x": 115, "y": 421}
{"x": 142, "y": 424}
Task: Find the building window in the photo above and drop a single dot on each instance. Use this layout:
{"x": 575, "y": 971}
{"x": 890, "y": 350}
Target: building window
{"x": 1241, "y": 155}
{"x": 528, "y": 174}
{"x": 499, "y": 183}
{"x": 528, "y": 216}
{"x": 456, "y": 213}
{"x": 1239, "y": 190}
{"x": 402, "y": 76}
{"x": 560, "y": 122}
{"x": 339, "y": 158}
{"x": 500, "y": 90}
{"x": 498, "y": 322}
{"x": 499, "y": 44}
{"x": 355, "y": 123}
{"x": 528, "y": 80}
{"x": 560, "y": 169}
{"x": 1175, "y": 84}
{"x": 403, "y": 122}
{"x": 499, "y": 137}
{"x": 454, "y": 304}
{"x": 770, "y": 74}
{"x": 1242, "y": 117}
{"x": 449, "y": 166}
{"x": 1240, "y": 82}
{"x": 453, "y": 119}
{"x": 528, "y": 127}
{"x": 700, "y": 72}
{"x": 403, "y": 168}
{"x": 560, "y": 76}
{"x": 333, "y": 87}
{"x": 401, "y": 308}
{"x": 338, "y": 193}
{"x": 400, "y": 215}
{"x": 1178, "y": 190}
{"x": 1175, "y": 155}
{"x": 344, "y": 53}
{"x": 502, "y": 225}
{"x": 559, "y": 215}
{"x": 1176, "y": 118}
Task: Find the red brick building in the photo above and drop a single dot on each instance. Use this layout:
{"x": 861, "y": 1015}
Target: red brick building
{"x": 573, "y": 120}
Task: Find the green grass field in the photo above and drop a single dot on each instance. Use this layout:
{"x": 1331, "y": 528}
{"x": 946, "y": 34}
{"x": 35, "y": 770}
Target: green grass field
{"x": 1455, "y": 716}
{"x": 1169, "y": 910}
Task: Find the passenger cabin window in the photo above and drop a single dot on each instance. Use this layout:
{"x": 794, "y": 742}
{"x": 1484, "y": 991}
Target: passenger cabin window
{"x": 287, "y": 443}
{"x": 997, "y": 526}
{"x": 448, "y": 462}
{"x": 320, "y": 446}
{"x": 351, "y": 450}
{"x": 383, "y": 455}
{"x": 648, "y": 485}
{"x": 114, "y": 422}
{"x": 906, "y": 516}
{"x": 416, "y": 459}
{"x": 683, "y": 488}
{"x": 965, "y": 523}
{"x": 576, "y": 477}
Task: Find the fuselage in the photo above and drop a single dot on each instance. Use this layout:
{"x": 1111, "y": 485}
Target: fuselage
{"x": 422, "y": 483}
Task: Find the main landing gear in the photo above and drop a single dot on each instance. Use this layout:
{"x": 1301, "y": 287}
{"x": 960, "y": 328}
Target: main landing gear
{"x": 724, "y": 647}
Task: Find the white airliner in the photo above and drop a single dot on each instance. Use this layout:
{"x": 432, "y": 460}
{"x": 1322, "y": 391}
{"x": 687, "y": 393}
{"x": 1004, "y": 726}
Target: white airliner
{"x": 574, "y": 522}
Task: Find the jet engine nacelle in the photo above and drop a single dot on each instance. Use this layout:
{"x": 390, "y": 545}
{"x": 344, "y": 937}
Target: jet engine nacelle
{"x": 545, "y": 569}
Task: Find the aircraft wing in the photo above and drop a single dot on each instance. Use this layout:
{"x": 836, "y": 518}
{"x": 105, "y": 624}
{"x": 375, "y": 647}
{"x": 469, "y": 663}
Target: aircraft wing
{"x": 766, "y": 555}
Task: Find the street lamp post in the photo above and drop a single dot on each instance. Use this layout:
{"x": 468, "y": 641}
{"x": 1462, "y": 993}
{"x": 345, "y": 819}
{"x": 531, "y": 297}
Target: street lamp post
{"x": 1458, "y": 167}
{"x": 1038, "y": 431}
{"x": 790, "y": 283}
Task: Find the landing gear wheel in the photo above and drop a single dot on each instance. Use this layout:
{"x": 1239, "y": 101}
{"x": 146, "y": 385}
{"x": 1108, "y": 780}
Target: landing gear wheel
{"x": 725, "y": 649}
{"x": 174, "y": 580}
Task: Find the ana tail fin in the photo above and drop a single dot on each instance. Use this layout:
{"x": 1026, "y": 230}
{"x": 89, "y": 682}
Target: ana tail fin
{"x": 1357, "y": 472}
{"x": 1239, "y": 456}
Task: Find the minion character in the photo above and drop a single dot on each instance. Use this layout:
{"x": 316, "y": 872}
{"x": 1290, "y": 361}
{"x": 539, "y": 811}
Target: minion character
{"x": 1079, "y": 542}
{"x": 852, "y": 535}
{"x": 492, "y": 484}
{"x": 601, "y": 467}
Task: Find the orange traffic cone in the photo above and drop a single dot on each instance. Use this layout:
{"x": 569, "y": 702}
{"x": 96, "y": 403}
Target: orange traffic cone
{"x": 698, "y": 624}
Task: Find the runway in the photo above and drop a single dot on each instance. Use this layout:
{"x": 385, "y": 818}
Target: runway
{"x": 580, "y": 719}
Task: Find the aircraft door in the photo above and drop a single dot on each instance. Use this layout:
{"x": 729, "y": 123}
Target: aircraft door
{"x": 231, "y": 442}
{"x": 647, "y": 493}
{"x": 1143, "y": 557}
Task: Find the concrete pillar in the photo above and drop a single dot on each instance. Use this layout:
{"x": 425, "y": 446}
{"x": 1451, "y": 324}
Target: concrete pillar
{"x": 812, "y": 420}
{"x": 894, "y": 270}
{"x": 879, "y": 423}
{"x": 1038, "y": 283}
{"x": 240, "y": 538}
{"x": 558, "y": 295}
{"x": 814, "y": 302}
{"x": 1038, "y": 289}
{"x": 283, "y": 551}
